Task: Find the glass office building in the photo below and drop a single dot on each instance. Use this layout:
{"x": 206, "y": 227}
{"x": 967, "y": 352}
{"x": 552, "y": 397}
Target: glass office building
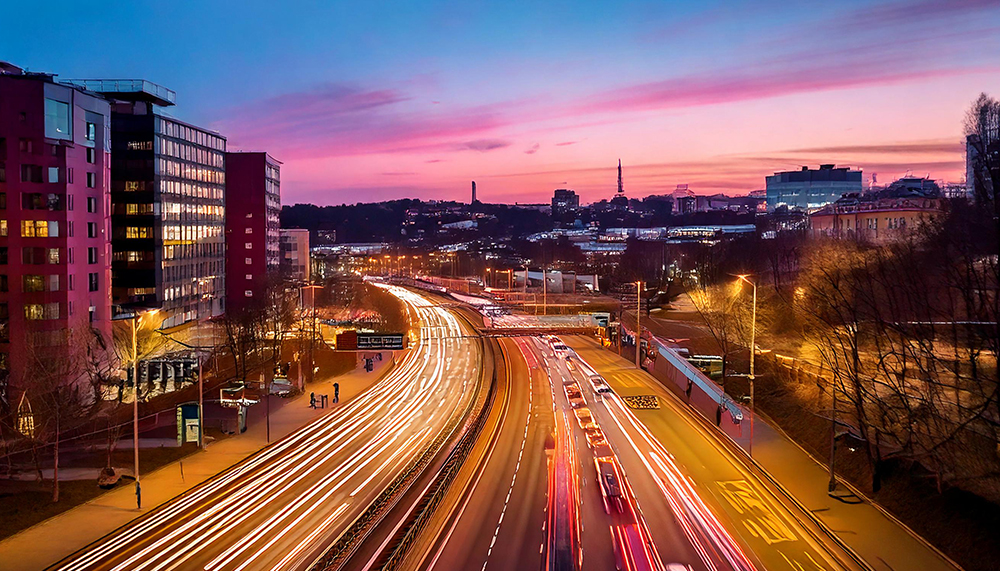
{"x": 168, "y": 206}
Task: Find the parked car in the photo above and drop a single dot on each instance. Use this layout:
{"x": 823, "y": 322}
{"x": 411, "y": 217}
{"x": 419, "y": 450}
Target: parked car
{"x": 281, "y": 387}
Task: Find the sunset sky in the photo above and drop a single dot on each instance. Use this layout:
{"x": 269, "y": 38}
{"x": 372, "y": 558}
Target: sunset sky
{"x": 367, "y": 101}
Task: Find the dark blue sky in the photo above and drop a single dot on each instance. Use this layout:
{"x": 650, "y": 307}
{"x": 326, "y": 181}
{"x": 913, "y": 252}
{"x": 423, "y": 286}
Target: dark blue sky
{"x": 383, "y": 99}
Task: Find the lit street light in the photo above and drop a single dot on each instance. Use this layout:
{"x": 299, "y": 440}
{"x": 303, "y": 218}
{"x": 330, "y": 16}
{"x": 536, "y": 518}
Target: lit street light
{"x": 753, "y": 333}
{"x": 133, "y": 318}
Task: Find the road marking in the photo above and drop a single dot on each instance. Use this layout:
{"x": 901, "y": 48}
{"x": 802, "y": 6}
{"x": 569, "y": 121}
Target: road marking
{"x": 513, "y": 479}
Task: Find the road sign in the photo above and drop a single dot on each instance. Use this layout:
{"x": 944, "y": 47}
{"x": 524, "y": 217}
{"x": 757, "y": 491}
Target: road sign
{"x": 354, "y": 341}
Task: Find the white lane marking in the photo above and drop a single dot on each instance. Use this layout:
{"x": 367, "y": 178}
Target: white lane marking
{"x": 513, "y": 479}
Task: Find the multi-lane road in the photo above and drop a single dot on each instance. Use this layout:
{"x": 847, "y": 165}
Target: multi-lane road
{"x": 281, "y": 508}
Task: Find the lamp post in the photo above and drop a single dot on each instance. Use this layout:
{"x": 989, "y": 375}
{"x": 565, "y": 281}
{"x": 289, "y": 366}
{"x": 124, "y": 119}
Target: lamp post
{"x": 638, "y": 321}
{"x": 312, "y": 335}
{"x": 753, "y": 334}
{"x": 134, "y": 322}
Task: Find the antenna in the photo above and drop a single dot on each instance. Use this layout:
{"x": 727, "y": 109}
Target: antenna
{"x": 621, "y": 187}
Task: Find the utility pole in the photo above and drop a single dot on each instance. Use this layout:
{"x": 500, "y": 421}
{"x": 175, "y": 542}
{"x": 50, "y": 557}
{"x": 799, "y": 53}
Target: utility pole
{"x": 135, "y": 410}
{"x": 753, "y": 346}
{"x": 638, "y": 316}
{"x": 201, "y": 401}
{"x": 545, "y": 291}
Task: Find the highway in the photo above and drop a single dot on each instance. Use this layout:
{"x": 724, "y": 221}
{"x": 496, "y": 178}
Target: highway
{"x": 282, "y": 507}
{"x": 500, "y": 525}
{"x": 731, "y": 516}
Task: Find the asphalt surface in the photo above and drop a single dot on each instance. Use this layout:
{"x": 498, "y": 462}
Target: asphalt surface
{"x": 734, "y": 519}
{"x": 281, "y": 508}
{"x": 500, "y": 526}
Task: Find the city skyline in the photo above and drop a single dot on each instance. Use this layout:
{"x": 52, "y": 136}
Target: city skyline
{"x": 369, "y": 104}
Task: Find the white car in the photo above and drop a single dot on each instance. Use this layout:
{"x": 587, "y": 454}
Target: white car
{"x": 281, "y": 387}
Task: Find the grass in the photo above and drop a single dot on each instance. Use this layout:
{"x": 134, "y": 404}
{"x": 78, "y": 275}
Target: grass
{"x": 27, "y": 503}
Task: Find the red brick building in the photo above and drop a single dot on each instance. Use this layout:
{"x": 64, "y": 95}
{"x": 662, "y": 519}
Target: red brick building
{"x": 55, "y": 250}
{"x": 253, "y": 206}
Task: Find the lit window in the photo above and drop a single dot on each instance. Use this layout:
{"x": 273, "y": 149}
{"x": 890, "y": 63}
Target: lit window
{"x": 248, "y": 293}
{"x": 249, "y": 276}
{"x": 57, "y": 120}
{"x": 249, "y": 245}
{"x": 249, "y": 230}
{"x": 249, "y": 260}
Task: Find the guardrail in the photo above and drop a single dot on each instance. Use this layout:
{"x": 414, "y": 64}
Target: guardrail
{"x": 442, "y": 482}
{"x": 337, "y": 555}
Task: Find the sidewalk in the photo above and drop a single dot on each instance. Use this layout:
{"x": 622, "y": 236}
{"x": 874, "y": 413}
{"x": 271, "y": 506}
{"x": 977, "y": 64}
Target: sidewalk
{"x": 48, "y": 542}
{"x": 878, "y": 538}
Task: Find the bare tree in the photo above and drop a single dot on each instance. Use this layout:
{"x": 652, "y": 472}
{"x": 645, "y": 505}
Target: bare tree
{"x": 54, "y": 380}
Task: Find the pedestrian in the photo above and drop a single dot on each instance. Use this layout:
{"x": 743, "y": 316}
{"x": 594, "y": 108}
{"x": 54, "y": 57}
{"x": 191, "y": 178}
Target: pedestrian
{"x": 336, "y": 393}
{"x": 138, "y": 496}
{"x": 312, "y": 400}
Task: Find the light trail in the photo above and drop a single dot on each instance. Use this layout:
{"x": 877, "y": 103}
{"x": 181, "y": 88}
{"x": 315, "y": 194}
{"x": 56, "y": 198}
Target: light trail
{"x": 252, "y": 516}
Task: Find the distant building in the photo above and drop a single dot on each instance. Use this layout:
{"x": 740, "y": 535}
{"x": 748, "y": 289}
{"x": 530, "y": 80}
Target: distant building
{"x": 253, "y": 205}
{"x": 872, "y": 219}
{"x": 564, "y": 201}
{"x": 168, "y": 205}
{"x": 294, "y": 261}
{"x": 808, "y": 188}
{"x": 911, "y": 186}
{"x": 55, "y": 251}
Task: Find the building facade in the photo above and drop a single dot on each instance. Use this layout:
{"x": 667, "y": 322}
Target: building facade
{"x": 294, "y": 260}
{"x": 55, "y": 288}
{"x": 168, "y": 205}
{"x": 253, "y": 206}
{"x": 563, "y": 201}
{"x": 876, "y": 220}
{"x": 811, "y": 188}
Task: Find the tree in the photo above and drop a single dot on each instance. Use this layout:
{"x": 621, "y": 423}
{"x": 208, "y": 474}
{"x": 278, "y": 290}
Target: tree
{"x": 982, "y": 130}
{"x": 56, "y": 386}
{"x": 727, "y": 316}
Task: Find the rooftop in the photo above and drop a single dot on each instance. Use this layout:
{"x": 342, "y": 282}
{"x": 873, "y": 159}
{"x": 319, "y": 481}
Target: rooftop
{"x": 128, "y": 89}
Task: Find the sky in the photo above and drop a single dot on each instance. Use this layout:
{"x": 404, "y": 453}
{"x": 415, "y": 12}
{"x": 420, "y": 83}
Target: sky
{"x": 370, "y": 101}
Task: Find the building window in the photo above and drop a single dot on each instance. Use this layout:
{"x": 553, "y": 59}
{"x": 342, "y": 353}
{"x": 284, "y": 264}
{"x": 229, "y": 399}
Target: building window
{"x": 36, "y": 311}
{"x": 72, "y": 283}
{"x": 249, "y": 277}
{"x": 53, "y": 174}
{"x": 91, "y": 255}
{"x": 57, "y": 121}
{"x": 3, "y": 228}
{"x": 32, "y": 283}
{"x": 91, "y": 180}
{"x": 91, "y": 131}
{"x": 248, "y": 245}
{"x": 92, "y": 286}
{"x": 91, "y": 204}
{"x": 91, "y": 156}
{"x": 3, "y": 256}
{"x": 31, "y": 173}
{"x": 3, "y": 282}
{"x": 92, "y": 229}
{"x": 39, "y": 229}
{"x": 53, "y": 255}
{"x": 54, "y": 282}
{"x": 33, "y": 256}
{"x": 248, "y": 261}
{"x": 69, "y": 255}
{"x": 133, "y": 232}
{"x": 248, "y": 293}
{"x": 25, "y": 145}
{"x": 3, "y": 200}
{"x": 3, "y": 172}
{"x": 249, "y": 231}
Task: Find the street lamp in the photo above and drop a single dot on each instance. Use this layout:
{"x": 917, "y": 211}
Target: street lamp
{"x": 133, "y": 319}
{"x": 312, "y": 334}
{"x": 753, "y": 333}
{"x": 638, "y": 321}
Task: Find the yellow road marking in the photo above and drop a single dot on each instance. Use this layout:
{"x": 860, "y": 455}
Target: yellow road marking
{"x": 758, "y": 518}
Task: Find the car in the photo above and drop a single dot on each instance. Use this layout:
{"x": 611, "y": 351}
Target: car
{"x": 560, "y": 348}
{"x": 610, "y": 481}
{"x": 584, "y": 417}
{"x": 281, "y": 387}
{"x": 573, "y": 391}
{"x": 595, "y": 436}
